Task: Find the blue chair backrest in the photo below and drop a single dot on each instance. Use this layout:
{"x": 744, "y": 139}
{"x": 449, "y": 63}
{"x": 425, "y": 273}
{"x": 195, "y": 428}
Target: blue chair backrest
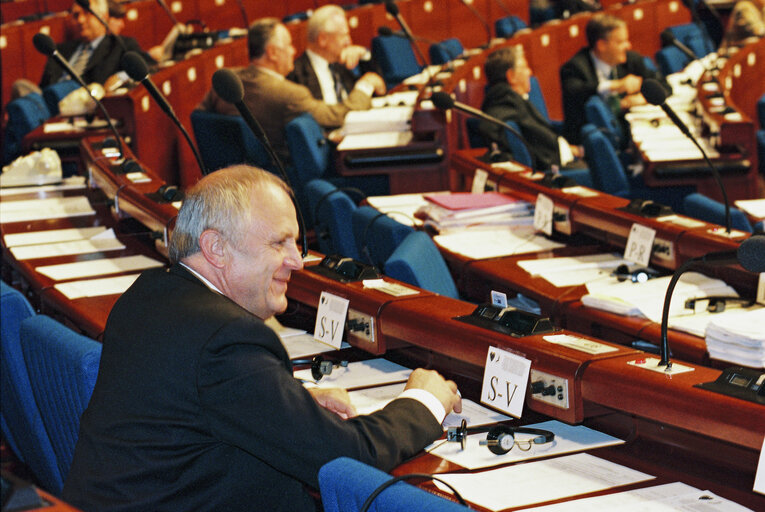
{"x": 395, "y": 57}
{"x": 377, "y": 235}
{"x": 761, "y": 150}
{"x": 331, "y": 210}
{"x": 507, "y": 26}
{"x": 537, "y": 98}
{"x": 761, "y": 111}
{"x": 694, "y": 38}
{"x": 345, "y": 484}
{"x": 57, "y": 92}
{"x": 308, "y": 147}
{"x": 707, "y": 209}
{"x": 22, "y": 423}
{"x": 475, "y": 137}
{"x": 605, "y": 167}
{"x": 418, "y": 262}
{"x": 62, "y": 367}
{"x": 671, "y": 60}
{"x": 445, "y": 51}
{"x": 517, "y": 146}
{"x": 225, "y": 140}
{"x": 24, "y": 115}
{"x": 597, "y": 112}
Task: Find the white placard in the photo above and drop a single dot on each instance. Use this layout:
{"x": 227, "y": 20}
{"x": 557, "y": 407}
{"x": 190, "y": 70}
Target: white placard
{"x": 761, "y": 289}
{"x": 330, "y": 319}
{"x": 639, "y": 244}
{"x": 479, "y": 181}
{"x": 504, "y": 381}
{"x": 759, "y": 479}
{"x": 543, "y": 215}
{"x": 499, "y": 298}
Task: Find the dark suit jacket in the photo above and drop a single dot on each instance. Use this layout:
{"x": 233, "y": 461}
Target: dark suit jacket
{"x": 579, "y": 81}
{"x": 196, "y": 408}
{"x": 304, "y": 74}
{"x": 507, "y": 105}
{"x": 103, "y": 63}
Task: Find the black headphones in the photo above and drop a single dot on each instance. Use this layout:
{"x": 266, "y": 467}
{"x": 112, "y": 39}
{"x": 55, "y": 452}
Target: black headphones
{"x": 500, "y": 439}
{"x": 320, "y": 366}
{"x": 639, "y": 275}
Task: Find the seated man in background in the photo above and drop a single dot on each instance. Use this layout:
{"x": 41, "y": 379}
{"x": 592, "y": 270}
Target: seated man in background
{"x": 508, "y": 75}
{"x": 606, "y": 67}
{"x": 92, "y": 53}
{"x": 274, "y": 100}
{"x": 196, "y": 406}
{"x": 326, "y": 67}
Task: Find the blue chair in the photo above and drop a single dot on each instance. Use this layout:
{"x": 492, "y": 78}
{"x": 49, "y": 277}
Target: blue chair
{"x": 24, "y": 115}
{"x": 761, "y": 111}
{"x": 507, "y": 26}
{"x": 671, "y": 60}
{"x": 54, "y": 93}
{"x": 345, "y": 484}
{"x": 331, "y": 210}
{"x": 597, "y": 113}
{"x": 445, "y": 51}
{"x": 225, "y": 140}
{"x": 608, "y": 173}
{"x": 761, "y": 150}
{"x": 536, "y": 97}
{"x": 22, "y": 423}
{"x": 474, "y": 135}
{"x": 707, "y": 209}
{"x": 377, "y": 235}
{"x": 418, "y": 262}
{"x": 694, "y": 38}
{"x": 396, "y": 59}
{"x": 62, "y": 367}
{"x": 518, "y": 146}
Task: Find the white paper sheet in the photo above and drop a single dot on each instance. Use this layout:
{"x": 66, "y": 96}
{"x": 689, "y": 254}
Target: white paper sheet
{"x": 51, "y": 236}
{"x": 373, "y": 372}
{"x": 96, "y": 287}
{"x": 73, "y": 183}
{"x": 493, "y": 243}
{"x": 568, "y": 439}
{"x": 542, "y": 481}
{"x": 304, "y": 345}
{"x": 575, "y": 270}
{"x": 39, "y": 209}
{"x": 66, "y": 248}
{"x": 375, "y": 140}
{"x": 100, "y": 267}
{"x": 753, "y": 207}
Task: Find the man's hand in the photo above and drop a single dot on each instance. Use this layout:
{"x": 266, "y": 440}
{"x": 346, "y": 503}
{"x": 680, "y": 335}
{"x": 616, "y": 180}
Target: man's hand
{"x": 632, "y": 100}
{"x": 336, "y": 400}
{"x": 376, "y": 81}
{"x": 351, "y": 55}
{"x": 630, "y": 84}
{"x": 435, "y": 384}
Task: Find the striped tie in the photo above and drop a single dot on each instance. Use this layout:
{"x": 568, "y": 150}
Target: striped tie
{"x": 82, "y": 60}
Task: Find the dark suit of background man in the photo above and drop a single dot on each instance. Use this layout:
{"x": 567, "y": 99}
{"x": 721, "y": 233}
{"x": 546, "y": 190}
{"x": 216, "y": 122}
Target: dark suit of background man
{"x": 274, "y": 100}
{"x": 508, "y": 75}
{"x": 103, "y": 62}
{"x": 326, "y": 67}
{"x": 605, "y": 67}
{"x": 195, "y": 406}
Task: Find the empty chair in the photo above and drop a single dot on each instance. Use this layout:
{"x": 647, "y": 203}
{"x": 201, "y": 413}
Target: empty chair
{"x": 22, "y": 424}
{"x": 671, "y": 60}
{"x": 24, "y": 115}
{"x": 418, "y": 262}
{"x": 345, "y": 484}
{"x": 54, "y": 93}
{"x": 509, "y": 25}
{"x": 600, "y": 115}
{"x": 445, "y": 51}
{"x": 331, "y": 210}
{"x": 225, "y": 140}
{"x": 707, "y": 209}
{"x": 694, "y": 38}
{"x": 62, "y": 367}
{"x": 377, "y": 235}
{"x": 396, "y": 59}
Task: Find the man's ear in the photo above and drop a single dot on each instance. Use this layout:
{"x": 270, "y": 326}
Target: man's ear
{"x": 213, "y": 247}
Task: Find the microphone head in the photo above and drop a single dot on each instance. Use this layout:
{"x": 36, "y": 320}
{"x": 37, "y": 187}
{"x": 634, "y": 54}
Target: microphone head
{"x": 667, "y": 38}
{"x": 134, "y": 66}
{"x": 385, "y": 31}
{"x": 391, "y": 7}
{"x": 228, "y": 86}
{"x": 442, "y": 100}
{"x": 751, "y": 254}
{"x": 653, "y": 92}
{"x": 44, "y": 44}
{"x": 85, "y": 4}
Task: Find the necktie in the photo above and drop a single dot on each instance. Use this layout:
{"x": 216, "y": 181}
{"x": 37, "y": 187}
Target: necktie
{"x": 339, "y": 89}
{"x": 82, "y": 60}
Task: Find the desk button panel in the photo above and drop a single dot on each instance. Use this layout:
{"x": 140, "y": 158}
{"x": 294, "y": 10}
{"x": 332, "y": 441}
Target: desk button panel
{"x": 549, "y": 389}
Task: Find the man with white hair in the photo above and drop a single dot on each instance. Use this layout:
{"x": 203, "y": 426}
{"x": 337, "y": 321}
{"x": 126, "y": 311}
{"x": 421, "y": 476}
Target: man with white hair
{"x": 327, "y": 66}
{"x": 91, "y": 52}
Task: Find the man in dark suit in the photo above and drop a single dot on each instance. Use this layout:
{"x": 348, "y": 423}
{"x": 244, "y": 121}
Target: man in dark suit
{"x": 606, "y": 67}
{"x": 327, "y": 66}
{"x": 195, "y": 406}
{"x": 508, "y": 75}
{"x": 92, "y": 52}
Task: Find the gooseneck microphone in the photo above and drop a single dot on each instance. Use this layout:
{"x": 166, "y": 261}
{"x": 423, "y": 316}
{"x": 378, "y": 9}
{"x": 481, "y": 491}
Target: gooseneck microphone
{"x": 228, "y": 86}
{"x": 387, "y": 31}
{"x": 45, "y": 45}
{"x": 750, "y": 255}
{"x": 136, "y": 68}
{"x": 169, "y": 13}
{"x": 655, "y": 94}
{"x": 669, "y": 39}
{"x": 443, "y": 101}
{"x": 480, "y": 18}
{"x": 392, "y": 9}
{"x": 85, "y": 4}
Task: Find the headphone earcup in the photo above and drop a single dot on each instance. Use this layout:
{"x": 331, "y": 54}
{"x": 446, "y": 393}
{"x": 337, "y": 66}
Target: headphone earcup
{"x": 503, "y": 435}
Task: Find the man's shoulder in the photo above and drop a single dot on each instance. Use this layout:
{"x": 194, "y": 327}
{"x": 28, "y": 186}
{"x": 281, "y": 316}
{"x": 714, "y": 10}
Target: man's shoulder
{"x": 578, "y": 59}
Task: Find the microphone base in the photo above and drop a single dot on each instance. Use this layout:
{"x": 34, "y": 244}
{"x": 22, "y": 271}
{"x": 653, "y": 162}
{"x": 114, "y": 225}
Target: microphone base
{"x": 652, "y": 364}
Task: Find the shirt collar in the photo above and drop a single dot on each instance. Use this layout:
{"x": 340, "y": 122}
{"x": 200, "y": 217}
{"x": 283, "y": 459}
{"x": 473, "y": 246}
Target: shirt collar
{"x": 201, "y": 278}
{"x": 270, "y": 72}
{"x": 317, "y": 61}
{"x": 602, "y": 69}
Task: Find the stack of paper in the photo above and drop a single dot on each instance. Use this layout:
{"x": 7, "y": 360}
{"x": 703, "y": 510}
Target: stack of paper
{"x": 464, "y": 209}
{"x": 386, "y": 119}
{"x": 738, "y": 336}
